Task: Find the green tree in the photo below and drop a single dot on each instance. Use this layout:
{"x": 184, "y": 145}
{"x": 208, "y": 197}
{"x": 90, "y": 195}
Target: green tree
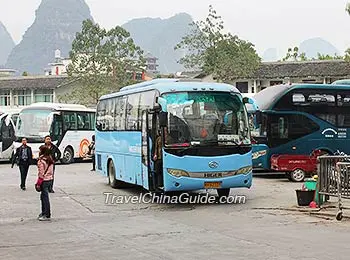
{"x": 215, "y": 52}
{"x": 25, "y": 74}
{"x": 294, "y": 55}
{"x": 329, "y": 57}
{"x": 102, "y": 62}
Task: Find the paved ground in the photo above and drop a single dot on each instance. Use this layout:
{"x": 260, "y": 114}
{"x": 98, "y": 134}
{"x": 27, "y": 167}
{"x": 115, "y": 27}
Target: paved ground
{"x": 84, "y": 227}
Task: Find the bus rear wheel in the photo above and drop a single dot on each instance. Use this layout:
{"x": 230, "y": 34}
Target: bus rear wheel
{"x": 68, "y": 156}
{"x": 223, "y": 192}
{"x": 113, "y": 182}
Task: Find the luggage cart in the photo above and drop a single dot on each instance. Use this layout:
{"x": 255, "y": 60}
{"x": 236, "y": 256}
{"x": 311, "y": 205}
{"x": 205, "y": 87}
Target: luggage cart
{"x": 342, "y": 174}
{"x": 334, "y": 179}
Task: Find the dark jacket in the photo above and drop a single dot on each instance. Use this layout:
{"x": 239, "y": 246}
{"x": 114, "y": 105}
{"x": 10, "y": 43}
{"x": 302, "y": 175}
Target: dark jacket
{"x": 17, "y": 157}
{"x": 55, "y": 152}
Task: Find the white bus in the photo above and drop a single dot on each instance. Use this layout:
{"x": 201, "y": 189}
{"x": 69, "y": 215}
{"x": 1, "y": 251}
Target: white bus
{"x": 71, "y": 128}
{"x": 7, "y": 136}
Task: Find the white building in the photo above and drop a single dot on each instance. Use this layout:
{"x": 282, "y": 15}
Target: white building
{"x": 18, "y": 92}
{"x": 59, "y": 66}
{"x": 7, "y": 72}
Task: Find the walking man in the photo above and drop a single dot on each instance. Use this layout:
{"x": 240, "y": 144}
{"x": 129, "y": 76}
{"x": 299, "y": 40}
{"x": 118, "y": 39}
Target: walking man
{"x": 23, "y": 158}
{"x": 56, "y": 156}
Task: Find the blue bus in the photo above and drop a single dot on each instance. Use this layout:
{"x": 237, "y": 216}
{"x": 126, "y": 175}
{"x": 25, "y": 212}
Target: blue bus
{"x": 170, "y": 135}
{"x": 300, "y": 119}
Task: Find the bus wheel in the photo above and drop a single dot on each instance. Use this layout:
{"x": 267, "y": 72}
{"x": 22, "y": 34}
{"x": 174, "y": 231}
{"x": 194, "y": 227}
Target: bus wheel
{"x": 297, "y": 175}
{"x": 223, "y": 192}
{"x": 113, "y": 182}
{"x": 68, "y": 156}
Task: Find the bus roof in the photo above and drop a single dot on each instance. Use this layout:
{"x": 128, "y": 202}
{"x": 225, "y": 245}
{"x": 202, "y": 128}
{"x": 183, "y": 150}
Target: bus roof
{"x": 341, "y": 82}
{"x": 59, "y": 107}
{"x": 171, "y": 85}
{"x": 266, "y": 98}
{"x": 10, "y": 110}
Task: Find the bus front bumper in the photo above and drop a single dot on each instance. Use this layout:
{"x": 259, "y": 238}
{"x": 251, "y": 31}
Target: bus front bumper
{"x": 172, "y": 183}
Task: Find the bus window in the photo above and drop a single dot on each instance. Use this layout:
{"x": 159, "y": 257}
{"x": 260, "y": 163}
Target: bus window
{"x": 322, "y": 99}
{"x": 57, "y": 128}
{"x": 70, "y": 120}
{"x": 132, "y": 113}
{"x": 298, "y": 98}
{"x": 92, "y": 120}
{"x": 147, "y": 100}
{"x": 119, "y": 119}
{"x": 100, "y": 117}
{"x": 110, "y": 113}
{"x": 328, "y": 117}
{"x": 84, "y": 122}
{"x": 285, "y": 128}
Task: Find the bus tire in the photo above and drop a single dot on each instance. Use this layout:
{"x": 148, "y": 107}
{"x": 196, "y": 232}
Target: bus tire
{"x": 68, "y": 156}
{"x": 298, "y": 175}
{"x": 113, "y": 182}
{"x": 223, "y": 192}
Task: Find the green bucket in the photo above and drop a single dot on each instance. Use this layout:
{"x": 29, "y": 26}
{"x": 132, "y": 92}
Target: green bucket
{"x": 311, "y": 184}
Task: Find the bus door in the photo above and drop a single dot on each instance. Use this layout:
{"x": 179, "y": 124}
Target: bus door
{"x": 57, "y": 128}
{"x": 7, "y": 137}
{"x": 147, "y": 173}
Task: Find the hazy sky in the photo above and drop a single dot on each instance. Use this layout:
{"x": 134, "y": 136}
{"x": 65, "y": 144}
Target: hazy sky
{"x": 267, "y": 23}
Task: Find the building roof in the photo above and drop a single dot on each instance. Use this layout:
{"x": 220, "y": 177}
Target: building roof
{"x": 287, "y": 69}
{"x": 7, "y": 70}
{"x": 35, "y": 82}
{"x": 317, "y": 68}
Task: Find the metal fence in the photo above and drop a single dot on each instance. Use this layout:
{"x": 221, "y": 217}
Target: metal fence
{"x": 334, "y": 179}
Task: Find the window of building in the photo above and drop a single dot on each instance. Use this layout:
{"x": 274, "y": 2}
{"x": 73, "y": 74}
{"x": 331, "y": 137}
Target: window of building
{"x": 5, "y": 98}
{"x": 242, "y": 87}
{"x": 22, "y": 97}
{"x": 276, "y": 82}
{"x": 43, "y": 95}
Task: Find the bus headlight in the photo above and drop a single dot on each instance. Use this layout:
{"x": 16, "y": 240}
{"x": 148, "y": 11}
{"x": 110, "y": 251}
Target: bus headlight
{"x": 178, "y": 173}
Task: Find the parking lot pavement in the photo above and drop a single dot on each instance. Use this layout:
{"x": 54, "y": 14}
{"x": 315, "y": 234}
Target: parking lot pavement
{"x": 84, "y": 227}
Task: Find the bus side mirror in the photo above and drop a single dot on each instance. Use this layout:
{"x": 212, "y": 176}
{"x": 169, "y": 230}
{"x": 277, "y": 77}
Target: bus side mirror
{"x": 99, "y": 126}
{"x": 247, "y": 100}
{"x": 163, "y": 119}
{"x": 156, "y": 108}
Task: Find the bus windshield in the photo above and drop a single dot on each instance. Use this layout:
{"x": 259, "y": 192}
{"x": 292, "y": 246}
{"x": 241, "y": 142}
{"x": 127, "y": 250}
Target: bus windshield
{"x": 205, "y": 118}
{"x": 34, "y": 123}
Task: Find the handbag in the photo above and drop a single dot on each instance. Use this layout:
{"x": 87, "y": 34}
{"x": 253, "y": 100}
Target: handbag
{"x": 40, "y": 181}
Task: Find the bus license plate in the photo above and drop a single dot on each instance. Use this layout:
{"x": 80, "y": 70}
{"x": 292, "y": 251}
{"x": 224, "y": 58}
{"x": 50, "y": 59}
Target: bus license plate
{"x": 212, "y": 185}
